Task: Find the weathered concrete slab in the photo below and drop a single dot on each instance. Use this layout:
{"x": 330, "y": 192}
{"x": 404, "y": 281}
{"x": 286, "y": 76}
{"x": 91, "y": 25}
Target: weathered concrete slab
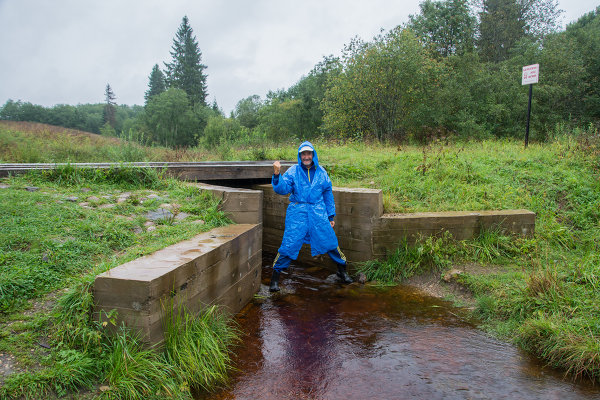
{"x": 222, "y": 266}
{"x": 242, "y": 206}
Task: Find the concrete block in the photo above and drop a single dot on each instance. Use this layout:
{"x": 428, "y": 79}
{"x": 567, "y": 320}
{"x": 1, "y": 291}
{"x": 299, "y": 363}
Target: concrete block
{"x": 242, "y": 206}
{"x": 193, "y": 273}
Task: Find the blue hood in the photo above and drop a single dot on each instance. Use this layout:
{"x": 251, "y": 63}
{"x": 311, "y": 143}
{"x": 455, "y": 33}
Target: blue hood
{"x": 315, "y": 158}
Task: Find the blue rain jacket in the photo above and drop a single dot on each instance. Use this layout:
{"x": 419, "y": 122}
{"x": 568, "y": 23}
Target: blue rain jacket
{"x": 311, "y": 205}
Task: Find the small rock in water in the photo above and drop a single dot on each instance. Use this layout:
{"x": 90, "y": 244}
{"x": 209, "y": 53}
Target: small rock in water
{"x": 361, "y": 278}
{"x": 451, "y": 275}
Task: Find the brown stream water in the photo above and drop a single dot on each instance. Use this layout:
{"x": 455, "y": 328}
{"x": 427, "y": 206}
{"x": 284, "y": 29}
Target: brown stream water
{"x": 317, "y": 339}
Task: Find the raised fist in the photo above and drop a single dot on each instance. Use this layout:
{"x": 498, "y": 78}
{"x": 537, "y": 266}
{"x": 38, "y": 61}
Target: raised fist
{"x": 276, "y": 167}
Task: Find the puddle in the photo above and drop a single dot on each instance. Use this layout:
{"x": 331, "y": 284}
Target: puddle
{"x": 320, "y": 340}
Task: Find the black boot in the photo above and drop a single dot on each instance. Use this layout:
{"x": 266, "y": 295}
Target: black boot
{"x": 343, "y": 275}
{"x": 275, "y": 281}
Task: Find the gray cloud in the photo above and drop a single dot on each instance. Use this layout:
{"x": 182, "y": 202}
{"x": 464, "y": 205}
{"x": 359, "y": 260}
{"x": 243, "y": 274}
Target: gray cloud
{"x": 65, "y": 51}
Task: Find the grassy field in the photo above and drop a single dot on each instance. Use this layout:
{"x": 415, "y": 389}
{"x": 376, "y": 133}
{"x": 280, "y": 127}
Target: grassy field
{"x": 541, "y": 292}
{"x": 58, "y": 230}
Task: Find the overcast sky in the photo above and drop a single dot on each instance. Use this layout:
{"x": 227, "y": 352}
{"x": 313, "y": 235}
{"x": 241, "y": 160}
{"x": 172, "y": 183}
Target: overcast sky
{"x": 66, "y": 51}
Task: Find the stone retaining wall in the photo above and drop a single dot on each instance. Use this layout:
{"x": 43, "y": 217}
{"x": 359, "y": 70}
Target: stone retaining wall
{"x": 222, "y": 266}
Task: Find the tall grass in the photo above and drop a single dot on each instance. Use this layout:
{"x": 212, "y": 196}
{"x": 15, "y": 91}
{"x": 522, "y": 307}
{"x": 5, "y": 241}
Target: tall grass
{"x": 23, "y": 142}
{"x": 199, "y": 347}
{"x": 123, "y": 175}
{"x": 427, "y": 254}
{"x": 563, "y": 344}
{"x": 196, "y": 355}
{"x": 134, "y": 371}
{"x": 48, "y": 243}
{"x": 435, "y": 254}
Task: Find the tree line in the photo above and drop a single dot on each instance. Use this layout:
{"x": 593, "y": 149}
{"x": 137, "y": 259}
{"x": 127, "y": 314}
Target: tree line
{"x": 453, "y": 69}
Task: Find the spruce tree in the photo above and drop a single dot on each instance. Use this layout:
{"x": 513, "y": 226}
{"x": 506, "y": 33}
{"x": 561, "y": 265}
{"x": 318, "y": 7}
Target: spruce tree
{"x": 156, "y": 84}
{"x": 185, "y": 71}
{"x": 110, "y": 110}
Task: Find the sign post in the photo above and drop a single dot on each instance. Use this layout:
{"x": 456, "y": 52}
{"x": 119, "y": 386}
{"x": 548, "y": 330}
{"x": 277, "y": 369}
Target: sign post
{"x": 531, "y": 74}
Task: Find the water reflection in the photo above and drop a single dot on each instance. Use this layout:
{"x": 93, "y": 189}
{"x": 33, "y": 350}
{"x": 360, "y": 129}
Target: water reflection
{"x": 319, "y": 340}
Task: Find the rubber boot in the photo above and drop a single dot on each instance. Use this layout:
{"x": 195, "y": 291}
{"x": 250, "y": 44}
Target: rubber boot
{"x": 343, "y": 275}
{"x": 274, "y": 287}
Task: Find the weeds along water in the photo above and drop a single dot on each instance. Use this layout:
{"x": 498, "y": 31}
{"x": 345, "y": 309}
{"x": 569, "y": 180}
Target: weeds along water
{"x": 58, "y": 230}
{"x": 541, "y": 292}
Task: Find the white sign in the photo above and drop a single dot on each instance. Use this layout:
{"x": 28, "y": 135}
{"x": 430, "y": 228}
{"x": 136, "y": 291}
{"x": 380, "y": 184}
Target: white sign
{"x": 531, "y": 74}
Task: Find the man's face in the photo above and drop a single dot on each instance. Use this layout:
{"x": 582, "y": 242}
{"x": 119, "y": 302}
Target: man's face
{"x": 306, "y": 157}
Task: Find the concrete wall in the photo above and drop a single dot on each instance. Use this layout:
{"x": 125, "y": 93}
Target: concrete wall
{"x": 357, "y": 210}
{"x": 242, "y": 206}
{"x": 391, "y": 229}
{"x": 365, "y": 232}
{"x": 222, "y": 266}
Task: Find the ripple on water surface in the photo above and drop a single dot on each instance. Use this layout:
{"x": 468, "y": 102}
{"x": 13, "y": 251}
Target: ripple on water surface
{"x": 319, "y": 340}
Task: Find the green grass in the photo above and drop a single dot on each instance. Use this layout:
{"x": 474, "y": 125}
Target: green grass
{"x": 46, "y": 239}
{"x": 427, "y": 254}
{"x": 199, "y": 347}
{"x": 543, "y": 292}
{"x": 53, "y": 247}
{"x": 133, "y": 371}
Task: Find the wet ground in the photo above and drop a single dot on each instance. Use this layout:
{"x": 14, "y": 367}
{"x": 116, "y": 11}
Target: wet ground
{"x": 320, "y": 340}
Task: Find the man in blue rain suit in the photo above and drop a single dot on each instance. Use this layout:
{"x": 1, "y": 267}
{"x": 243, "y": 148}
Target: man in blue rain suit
{"x": 310, "y": 216}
